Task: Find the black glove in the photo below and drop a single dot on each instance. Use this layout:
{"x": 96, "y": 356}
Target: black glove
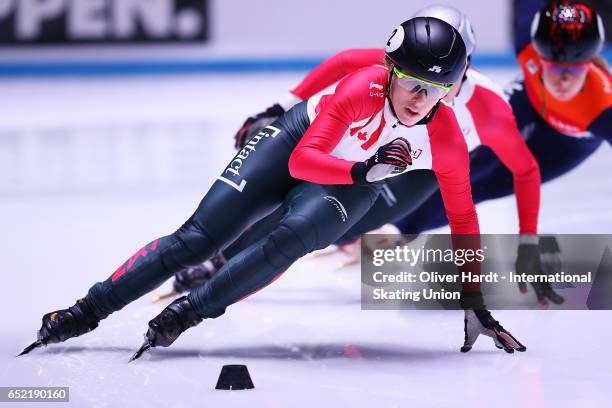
{"x": 389, "y": 160}
{"x": 528, "y": 262}
{"x": 254, "y": 124}
{"x": 477, "y": 322}
{"x": 550, "y": 254}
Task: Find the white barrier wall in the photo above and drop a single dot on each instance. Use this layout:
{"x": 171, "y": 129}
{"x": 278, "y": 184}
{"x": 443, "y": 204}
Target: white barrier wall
{"x": 246, "y": 28}
{"x": 327, "y": 25}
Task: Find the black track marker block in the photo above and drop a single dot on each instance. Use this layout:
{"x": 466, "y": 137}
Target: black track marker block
{"x": 234, "y": 377}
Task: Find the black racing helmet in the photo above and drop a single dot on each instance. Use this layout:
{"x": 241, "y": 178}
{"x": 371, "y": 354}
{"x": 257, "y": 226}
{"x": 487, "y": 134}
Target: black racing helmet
{"x": 567, "y": 31}
{"x": 428, "y": 48}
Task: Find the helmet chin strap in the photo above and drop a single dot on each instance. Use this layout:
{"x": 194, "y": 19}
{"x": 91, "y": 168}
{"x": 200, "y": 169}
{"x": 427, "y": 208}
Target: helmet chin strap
{"x": 430, "y": 115}
{"x": 427, "y": 119}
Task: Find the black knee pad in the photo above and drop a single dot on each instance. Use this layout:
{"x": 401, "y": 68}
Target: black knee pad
{"x": 293, "y": 238}
{"x": 194, "y": 246}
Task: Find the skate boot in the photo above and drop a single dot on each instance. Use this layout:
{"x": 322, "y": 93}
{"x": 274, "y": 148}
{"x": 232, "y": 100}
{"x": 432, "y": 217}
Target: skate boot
{"x": 64, "y": 324}
{"x": 190, "y": 278}
{"x": 177, "y": 317}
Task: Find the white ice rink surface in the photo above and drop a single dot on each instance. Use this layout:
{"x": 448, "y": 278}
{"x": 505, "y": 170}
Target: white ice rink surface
{"x": 91, "y": 169}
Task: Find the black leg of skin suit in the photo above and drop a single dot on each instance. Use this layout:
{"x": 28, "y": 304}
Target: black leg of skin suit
{"x": 399, "y": 196}
{"x": 220, "y": 218}
{"x": 315, "y": 216}
{"x": 255, "y": 232}
{"x": 254, "y": 184}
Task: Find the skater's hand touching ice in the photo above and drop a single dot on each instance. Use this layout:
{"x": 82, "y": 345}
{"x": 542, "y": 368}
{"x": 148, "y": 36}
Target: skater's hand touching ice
{"x": 477, "y": 322}
{"x": 255, "y": 123}
{"x": 529, "y": 262}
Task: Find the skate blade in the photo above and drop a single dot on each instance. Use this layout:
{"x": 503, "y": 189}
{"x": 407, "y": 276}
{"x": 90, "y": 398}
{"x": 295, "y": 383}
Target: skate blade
{"x": 31, "y": 347}
{"x": 146, "y": 346}
{"x": 165, "y": 296}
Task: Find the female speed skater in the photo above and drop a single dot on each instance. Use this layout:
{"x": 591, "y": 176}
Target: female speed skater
{"x": 311, "y": 162}
{"x": 485, "y": 118}
{"x": 563, "y": 108}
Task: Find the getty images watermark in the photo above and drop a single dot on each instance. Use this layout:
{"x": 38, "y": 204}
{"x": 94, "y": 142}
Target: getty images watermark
{"x": 437, "y": 271}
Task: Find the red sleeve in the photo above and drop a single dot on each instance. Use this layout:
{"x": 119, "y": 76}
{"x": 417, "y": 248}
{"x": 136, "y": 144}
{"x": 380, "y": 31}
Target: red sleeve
{"x": 496, "y": 126}
{"x": 451, "y": 164}
{"x": 335, "y": 68}
{"x": 311, "y": 159}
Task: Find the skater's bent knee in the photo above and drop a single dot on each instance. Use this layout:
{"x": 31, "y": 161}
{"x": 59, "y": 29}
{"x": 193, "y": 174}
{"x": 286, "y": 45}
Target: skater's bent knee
{"x": 294, "y": 237}
{"x": 195, "y": 246}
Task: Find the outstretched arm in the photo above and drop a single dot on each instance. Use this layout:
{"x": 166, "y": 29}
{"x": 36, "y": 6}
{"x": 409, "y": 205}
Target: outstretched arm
{"x": 498, "y": 130}
{"x": 335, "y": 68}
{"x": 450, "y": 163}
{"x": 324, "y": 75}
